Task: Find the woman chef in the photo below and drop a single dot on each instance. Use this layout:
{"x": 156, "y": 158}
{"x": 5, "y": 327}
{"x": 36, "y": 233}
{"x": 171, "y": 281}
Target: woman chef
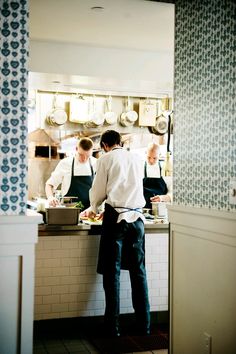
{"x": 75, "y": 174}
{"x": 155, "y": 187}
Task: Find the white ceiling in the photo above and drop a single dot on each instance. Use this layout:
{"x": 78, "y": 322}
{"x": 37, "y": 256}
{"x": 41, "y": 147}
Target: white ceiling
{"x": 134, "y": 24}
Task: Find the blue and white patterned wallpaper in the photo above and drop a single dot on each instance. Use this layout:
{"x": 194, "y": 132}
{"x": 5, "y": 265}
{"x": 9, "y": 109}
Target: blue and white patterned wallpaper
{"x": 13, "y": 104}
{"x": 204, "y": 103}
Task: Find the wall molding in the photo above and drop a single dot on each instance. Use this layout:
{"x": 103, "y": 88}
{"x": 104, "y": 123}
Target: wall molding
{"x": 203, "y": 219}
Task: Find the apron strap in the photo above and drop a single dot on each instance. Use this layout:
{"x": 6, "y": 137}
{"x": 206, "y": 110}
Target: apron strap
{"x": 72, "y": 168}
{"x": 127, "y": 210}
{"x": 91, "y": 167}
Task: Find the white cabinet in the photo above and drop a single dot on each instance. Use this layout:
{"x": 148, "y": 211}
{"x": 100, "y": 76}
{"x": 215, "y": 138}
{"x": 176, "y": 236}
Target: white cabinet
{"x": 18, "y": 235}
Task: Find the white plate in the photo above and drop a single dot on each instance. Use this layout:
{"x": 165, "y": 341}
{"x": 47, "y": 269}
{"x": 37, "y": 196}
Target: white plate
{"x": 87, "y": 222}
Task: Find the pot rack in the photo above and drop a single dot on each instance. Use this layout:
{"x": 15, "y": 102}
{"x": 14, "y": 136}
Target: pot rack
{"x": 123, "y": 94}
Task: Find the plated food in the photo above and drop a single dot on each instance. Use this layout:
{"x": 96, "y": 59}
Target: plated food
{"x": 90, "y": 221}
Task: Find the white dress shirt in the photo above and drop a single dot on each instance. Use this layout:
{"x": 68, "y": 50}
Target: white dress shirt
{"x": 119, "y": 181}
{"x": 62, "y": 173}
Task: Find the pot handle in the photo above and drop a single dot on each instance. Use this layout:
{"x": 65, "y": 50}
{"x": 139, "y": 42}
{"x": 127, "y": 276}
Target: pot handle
{"x": 128, "y": 104}
{"x": 109, "y": 103}
{"x": 168, "y": 136}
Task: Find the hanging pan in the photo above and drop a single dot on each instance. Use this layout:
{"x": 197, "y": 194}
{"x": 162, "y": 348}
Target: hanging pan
{"x": 96, "y": 118}
{"x": 57, "y": 116}
{"x": 128, "y": 117}
{"x": 110, "y": 116}
{"x": 161, "y": 124}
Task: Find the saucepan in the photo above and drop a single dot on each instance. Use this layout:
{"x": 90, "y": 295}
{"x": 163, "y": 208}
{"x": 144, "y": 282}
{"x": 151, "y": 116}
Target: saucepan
{"x": 96, "y": 118}
{"x": 57, "y": 116}
{"x": 161, "y": 125}
{"x": 110, "y": 116}
{"x": 128, "y": 117}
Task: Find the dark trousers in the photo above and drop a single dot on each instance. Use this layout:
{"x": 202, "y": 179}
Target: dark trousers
{"x": 124, "y": 248}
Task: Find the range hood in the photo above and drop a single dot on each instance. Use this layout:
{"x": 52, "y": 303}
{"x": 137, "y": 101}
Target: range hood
{"x": 41, "y": 138}
{"x": 42, "y": 145}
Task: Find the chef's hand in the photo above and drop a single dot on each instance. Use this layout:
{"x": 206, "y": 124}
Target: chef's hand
{"x": 161, "y": 198}
{"x": 100, "y": 216}
{"x": 85, "y": 212}
{"x": 53, "y": 201}
{"x": 91, "y": 214}
{"x": 156, "y": 198}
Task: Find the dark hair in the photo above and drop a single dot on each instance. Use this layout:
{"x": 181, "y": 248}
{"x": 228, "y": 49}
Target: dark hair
{"x": 86, "y": 144}
{"x": 110, "y": 137}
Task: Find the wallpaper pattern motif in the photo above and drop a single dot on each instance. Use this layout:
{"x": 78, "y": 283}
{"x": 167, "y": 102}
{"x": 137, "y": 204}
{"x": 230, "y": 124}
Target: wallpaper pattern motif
{"x": 13, "y": 105}
{"x": 205, "y": 100}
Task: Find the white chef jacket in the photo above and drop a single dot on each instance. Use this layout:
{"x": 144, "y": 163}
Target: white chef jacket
{"x": 153, "y": 171}
{"x": 62, "y": 173}
{"x": 119, "y": 181}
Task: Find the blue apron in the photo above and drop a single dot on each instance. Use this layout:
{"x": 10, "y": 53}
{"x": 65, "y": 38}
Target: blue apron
{"x": 80, "y": 186}
{"x": 153, "y": 186}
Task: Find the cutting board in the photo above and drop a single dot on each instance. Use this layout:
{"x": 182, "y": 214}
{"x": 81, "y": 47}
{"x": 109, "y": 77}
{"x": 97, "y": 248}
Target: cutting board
{"x": 147, "y": 112}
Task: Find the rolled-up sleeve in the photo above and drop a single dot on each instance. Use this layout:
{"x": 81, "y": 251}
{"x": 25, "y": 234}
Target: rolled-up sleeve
{"x": 97, "y": 193}
{"x": 61, "y": 175}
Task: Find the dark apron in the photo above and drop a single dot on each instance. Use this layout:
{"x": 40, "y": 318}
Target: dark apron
{"x": 80, "y": 186}
{"x": 153, "y": 186}
{"x": 110, "y": 231}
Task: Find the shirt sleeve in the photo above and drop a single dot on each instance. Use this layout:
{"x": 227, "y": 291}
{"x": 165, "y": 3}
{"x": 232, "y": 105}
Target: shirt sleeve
{"x": 169, "y": 185}
{"x": 94, "y": 163}
{"x": 97, "y": 193}
{"x": 56, "y": 177}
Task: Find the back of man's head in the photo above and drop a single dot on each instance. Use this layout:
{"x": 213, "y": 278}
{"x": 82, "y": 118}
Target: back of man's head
{"x": 110, "y": 138}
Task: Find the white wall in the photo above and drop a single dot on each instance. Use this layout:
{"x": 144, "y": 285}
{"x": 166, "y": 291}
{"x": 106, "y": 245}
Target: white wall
{"x": 146, "y": 69}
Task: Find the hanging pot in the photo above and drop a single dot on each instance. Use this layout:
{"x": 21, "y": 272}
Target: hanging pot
{"x": 96, "y": 118}
{"x": 110, "y": 116}
{"x": 128, "y": 117}
{"x": 57, "y": 116}
{"x": 161, "y": 126}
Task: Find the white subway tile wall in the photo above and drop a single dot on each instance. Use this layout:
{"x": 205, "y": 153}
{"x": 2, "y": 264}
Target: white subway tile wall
{"x": 67, "y": 285}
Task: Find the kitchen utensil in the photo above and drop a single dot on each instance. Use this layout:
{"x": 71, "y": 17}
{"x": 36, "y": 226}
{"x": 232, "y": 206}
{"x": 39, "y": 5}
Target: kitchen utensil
{"x": 110, "y": 116}
{"x": 128, "y": 117}
{"x": 159, "y": 209}
{"x": 62, "y": 216}
{"x": 161, "y": 125}
{"x": 78, "y": 109}
{"x": 57, "y": 116}
{"x": 96, "y": 118}
{"x": 68, "y": 201}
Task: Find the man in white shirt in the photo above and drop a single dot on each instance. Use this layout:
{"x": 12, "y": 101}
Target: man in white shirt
{"x": 119, "y": 181}
{"x": 156, "y": 187}
{"x": 75, "y": 174}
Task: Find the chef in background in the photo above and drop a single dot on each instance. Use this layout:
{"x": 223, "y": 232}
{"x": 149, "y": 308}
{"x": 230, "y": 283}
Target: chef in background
{"x": 75, "y": 174}
{"x": 155, "y": 187}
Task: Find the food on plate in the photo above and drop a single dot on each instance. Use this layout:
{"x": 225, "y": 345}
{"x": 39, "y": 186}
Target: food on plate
{"x": 97, "y": 218}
